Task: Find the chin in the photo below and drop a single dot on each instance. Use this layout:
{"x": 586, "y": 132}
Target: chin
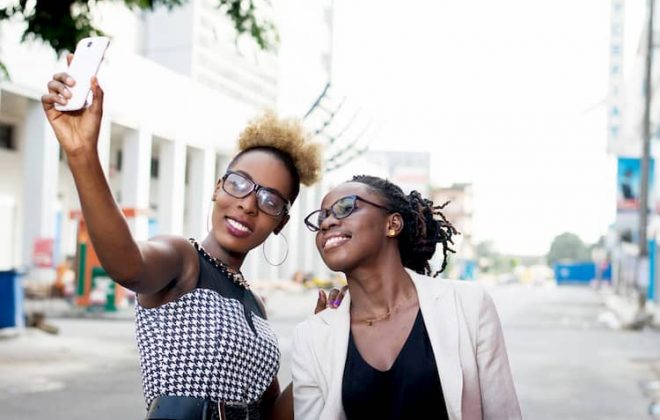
{"x": 230, "y": 244}
{"x": 339, "y": 264}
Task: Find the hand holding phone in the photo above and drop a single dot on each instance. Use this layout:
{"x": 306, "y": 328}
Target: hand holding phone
{"x": 85, "y": 64}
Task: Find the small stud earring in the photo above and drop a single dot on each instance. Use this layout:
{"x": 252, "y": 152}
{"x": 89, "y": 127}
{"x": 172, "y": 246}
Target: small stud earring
{"x": 391, "y": 232}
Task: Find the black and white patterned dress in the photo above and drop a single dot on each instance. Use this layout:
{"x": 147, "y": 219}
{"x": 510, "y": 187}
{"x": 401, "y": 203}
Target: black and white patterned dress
{"x": 212, "y": 342}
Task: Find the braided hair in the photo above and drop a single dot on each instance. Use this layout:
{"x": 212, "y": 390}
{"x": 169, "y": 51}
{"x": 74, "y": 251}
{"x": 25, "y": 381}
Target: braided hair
{"x": 422, "y": 231}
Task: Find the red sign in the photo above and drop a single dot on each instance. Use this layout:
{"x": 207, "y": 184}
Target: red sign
{"x": 42, "y": 252}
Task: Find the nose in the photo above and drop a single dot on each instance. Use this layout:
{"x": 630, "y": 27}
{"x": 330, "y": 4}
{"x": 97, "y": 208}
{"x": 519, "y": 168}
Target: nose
{"x": 329, "y": 222}
{"x": 249, "y": 203}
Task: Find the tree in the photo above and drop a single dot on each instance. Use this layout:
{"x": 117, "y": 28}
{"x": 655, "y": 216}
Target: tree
{"x": 490, "y": 260}
{"x": 61, "y": 23}
{"x": 568, "y": 247}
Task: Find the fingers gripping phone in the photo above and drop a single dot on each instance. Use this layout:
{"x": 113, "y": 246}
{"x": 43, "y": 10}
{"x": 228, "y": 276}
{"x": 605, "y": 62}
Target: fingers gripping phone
{"x": 85, "y": 64}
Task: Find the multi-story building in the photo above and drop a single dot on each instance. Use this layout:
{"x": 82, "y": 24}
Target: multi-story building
{"x": 179, "y": 87}
{"x": 625, "y": 111}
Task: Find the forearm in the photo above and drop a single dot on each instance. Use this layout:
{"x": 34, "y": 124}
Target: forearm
{"x": 282, "y": 409}
{"x": 108, "y": 229}
{"x": 276, "y": 405}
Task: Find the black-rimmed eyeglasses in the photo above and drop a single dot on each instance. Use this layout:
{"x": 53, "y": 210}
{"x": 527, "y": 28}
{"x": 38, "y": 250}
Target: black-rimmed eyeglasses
{"x": 269, "y": 201}
{"x": 340, "y": 209}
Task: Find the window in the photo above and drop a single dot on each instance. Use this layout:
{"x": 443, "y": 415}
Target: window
{"x": 154, "y": 167}
{"x": 7, "y": 137}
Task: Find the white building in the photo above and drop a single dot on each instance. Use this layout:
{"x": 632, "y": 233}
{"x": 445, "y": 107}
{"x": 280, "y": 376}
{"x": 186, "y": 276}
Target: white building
{"x": 179, "y": 88}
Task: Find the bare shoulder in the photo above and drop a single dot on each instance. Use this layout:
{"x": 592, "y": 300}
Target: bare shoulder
{"x": 173, "y": 267}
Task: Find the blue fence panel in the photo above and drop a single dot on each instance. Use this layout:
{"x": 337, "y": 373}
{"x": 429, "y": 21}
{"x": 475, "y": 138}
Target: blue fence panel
{"x": 582, "y": 272}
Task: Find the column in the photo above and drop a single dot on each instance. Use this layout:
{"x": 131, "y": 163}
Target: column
{"x": 103, "y": 145}
{"x": 135, "y": 176}
{"x": 40, "y": 175}
{"x": 171, "y": 186}
{"x": 201, "y": 182}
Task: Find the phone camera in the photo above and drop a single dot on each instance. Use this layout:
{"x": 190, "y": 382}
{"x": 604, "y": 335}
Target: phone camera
{"x": 89, "y": 44}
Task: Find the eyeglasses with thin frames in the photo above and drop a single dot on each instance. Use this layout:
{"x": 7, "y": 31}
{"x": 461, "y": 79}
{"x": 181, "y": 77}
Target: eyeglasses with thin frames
{"x": 340, "y": 209}
{"x": 239, "y": 185}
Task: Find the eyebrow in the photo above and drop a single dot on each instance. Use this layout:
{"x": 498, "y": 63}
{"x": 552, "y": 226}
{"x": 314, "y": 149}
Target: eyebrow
{"x": 271, "y": 189}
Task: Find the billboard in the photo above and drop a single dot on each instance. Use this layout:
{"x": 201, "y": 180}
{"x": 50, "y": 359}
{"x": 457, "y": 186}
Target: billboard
{"x": 629, "y": 184}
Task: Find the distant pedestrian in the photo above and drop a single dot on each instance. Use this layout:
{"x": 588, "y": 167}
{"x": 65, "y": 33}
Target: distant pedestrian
{"x": 205, "y": 347}
{"x": 402, "y": 345}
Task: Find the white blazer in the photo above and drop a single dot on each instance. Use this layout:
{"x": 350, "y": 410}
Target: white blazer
{"x": 467, "y": 342}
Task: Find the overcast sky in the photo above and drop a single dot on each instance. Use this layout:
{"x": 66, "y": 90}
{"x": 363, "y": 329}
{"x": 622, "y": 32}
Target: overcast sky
{"x": 508, "y": 95}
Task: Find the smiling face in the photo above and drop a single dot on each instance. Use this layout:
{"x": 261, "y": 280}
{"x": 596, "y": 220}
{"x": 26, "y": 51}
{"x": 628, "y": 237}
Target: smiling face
{"x": 358, "y": 239}
{"x": 239, "y": 225}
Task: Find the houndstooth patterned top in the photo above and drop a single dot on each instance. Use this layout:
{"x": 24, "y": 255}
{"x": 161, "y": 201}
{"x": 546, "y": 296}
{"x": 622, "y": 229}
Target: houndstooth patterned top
{"x": 213, "y": 342}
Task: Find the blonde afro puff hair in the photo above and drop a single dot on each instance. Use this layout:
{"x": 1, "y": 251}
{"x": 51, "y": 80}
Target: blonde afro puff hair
{"x": 287, "y": 136}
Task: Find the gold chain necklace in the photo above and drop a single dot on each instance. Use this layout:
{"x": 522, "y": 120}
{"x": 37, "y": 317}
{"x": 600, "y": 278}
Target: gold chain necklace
{"x": 370, "y": 321}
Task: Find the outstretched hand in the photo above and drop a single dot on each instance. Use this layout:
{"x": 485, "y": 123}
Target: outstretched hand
{"x": 76, "y": 131}
{"x": 332, "y": 300}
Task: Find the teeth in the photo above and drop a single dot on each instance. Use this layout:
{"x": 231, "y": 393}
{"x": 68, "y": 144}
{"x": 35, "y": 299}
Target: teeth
{"x": 335, "y": 241}
{"x": 238, "y": 226}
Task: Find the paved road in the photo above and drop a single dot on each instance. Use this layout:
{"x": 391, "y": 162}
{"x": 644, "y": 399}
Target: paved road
{"x": 566, "y": 365}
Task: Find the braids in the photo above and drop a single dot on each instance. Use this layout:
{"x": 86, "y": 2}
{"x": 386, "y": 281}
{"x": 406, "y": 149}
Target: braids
{"x": 422, "y": 230}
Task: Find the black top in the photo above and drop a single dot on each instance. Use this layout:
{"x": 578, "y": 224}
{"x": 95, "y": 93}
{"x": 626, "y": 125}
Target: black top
{"x": 212, "y": 342}
{"x": 213, "y": 279}
{"x": 409, "y": 390}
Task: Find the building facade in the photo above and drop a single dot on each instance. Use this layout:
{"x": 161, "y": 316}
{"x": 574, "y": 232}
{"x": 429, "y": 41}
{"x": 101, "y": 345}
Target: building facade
{"x": 179, "y": 86}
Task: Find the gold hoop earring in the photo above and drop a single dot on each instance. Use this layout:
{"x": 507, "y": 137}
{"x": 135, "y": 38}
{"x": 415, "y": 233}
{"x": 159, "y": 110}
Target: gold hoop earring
{"x": 286, "y": 250}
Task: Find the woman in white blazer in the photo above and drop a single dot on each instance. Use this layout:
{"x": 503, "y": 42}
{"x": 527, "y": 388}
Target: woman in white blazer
{"x": 401, "y": 344}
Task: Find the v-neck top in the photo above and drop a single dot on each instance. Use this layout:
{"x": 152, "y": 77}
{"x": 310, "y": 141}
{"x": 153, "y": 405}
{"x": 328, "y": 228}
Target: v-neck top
{"x": 409, "y": 389}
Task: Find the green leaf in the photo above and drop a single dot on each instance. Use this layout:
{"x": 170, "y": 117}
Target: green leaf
{"x": 61, "y": 23}
{"x": 4, "y": 73}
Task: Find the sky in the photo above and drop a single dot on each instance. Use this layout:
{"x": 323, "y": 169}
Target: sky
{"x": 507, "y": 95}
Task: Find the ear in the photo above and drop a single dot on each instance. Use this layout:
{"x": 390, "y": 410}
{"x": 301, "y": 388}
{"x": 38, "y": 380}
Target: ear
{"x": 281, "y": 225}
{"x": 394, "y": 225}
{"x": 217, "y": 189}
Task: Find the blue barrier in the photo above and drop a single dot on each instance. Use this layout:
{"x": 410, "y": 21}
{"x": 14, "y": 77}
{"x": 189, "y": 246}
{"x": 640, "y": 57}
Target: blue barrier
{"x": 11, "y": 300}
{"x": 582, "y": 272}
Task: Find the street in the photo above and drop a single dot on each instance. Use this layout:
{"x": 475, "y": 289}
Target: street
{"x": 566, "y": 364}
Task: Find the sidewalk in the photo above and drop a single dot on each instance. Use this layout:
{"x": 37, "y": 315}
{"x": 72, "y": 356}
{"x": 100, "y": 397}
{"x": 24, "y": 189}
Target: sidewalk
{"x": 624, "y": 312}
{"x": 280, "y": 302}
{"x": 63, "y": 308}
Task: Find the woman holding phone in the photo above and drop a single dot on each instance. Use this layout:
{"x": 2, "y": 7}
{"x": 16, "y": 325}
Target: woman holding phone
{"x": 206, "y": 349}
{"x": 402, "y": 345}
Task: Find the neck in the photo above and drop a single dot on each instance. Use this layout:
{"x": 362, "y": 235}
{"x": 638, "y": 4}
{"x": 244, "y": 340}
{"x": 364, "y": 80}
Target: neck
{"x": 379, "y": 289}
{"x": 234, "y": 260}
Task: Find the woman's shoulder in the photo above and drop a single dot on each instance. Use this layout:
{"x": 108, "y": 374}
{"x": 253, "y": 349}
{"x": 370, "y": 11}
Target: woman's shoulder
{"x": 463, "y": 287}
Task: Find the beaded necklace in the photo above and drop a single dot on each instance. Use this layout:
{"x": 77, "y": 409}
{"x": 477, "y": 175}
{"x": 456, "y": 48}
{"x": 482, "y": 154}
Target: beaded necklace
{"x": 234, "y": 276}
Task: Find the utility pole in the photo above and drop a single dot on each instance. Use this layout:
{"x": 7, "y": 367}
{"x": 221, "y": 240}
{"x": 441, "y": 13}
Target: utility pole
{"x": 646, "y": 151}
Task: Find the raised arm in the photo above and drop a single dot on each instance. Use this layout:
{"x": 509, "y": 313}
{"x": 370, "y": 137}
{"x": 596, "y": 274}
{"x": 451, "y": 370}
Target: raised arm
{"x": 146, "y": 268}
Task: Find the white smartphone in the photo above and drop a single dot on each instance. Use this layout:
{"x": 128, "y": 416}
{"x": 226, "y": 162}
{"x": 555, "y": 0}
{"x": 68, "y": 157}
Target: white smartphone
{"x": 85, "y": 64}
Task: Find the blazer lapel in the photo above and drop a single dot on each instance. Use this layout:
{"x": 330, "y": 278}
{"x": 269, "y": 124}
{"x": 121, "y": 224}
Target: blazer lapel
{"x": 339, "y": 324}
{"x": 438, "y": 305}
